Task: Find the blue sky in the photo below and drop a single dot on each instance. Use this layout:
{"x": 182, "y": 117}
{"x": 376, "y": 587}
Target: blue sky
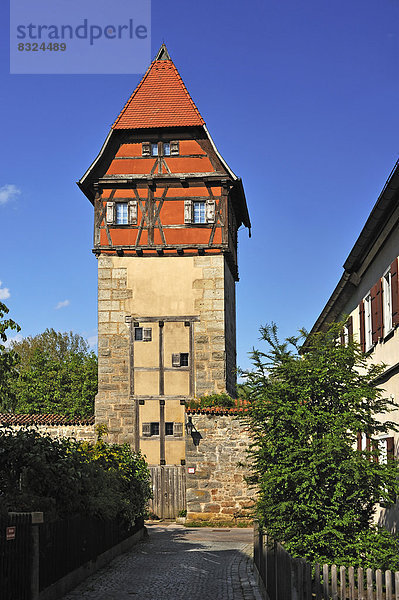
{"x": 302, "y": 101}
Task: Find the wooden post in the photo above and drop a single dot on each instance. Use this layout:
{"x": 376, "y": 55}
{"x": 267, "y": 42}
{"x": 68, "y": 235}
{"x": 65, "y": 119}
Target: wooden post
{"x": 351, "y": 577}
{"x": 396, "y": 585}
{"x": 388, "y": 585}
{"x": 370, "y": 595}
{"x": 360, "y": 584}
{"x": 334, "y": 582}
{"x": 342, "y": 583}
{"x": 308, "y": 581}
{"x": 317, "y": 581}
{"x": 378, "y": 582}
{"x": 326, "y": 586}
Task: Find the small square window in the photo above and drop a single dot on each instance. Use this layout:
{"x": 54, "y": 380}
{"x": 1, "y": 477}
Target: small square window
{"x": 180, "y": 359}
{"x": 198, "y": 212}
{"x": 166, "y": 148}
{"x": 121, "y": 213}
{"x": 168, "y": 428}
{"x": 154, "y": 149}
{"x": 142, "y": 334}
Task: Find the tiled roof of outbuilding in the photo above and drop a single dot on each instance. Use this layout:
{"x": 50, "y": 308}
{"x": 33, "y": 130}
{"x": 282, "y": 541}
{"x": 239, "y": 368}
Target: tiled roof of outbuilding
{"x": 43, "y": 419}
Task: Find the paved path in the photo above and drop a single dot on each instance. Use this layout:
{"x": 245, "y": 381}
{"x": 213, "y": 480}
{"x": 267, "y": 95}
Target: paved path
{"x": 175, "y": 563}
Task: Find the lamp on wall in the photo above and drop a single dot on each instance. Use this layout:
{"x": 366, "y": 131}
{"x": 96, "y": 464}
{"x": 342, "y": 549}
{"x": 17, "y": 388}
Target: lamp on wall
{"x": 189, "y": 426}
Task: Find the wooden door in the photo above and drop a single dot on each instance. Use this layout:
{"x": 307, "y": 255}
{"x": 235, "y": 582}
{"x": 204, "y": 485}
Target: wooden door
{"x": 169, "y": 491}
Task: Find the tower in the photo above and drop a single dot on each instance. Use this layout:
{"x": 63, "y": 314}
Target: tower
{"x": 166, "y": 213}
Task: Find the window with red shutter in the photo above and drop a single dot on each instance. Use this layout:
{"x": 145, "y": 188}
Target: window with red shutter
{"x": 362, "y": 327}
{"x": 394, "y": 291}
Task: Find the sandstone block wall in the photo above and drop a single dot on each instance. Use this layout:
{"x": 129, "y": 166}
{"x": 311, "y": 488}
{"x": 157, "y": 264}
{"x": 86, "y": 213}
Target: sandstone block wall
{"x": 79, "y": 432}
{"x": 112, "y": 402}
{"x": 217, "y": 490}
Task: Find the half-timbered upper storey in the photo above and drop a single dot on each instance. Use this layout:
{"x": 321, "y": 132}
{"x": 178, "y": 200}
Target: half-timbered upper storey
{"x": 159, "y": 186}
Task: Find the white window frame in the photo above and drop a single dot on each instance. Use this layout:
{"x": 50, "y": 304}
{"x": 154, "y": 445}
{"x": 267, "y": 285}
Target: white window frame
{"x": 368, "y": 323}
{"x": 121, "y": 218}
{"x": 199, "y": 216}
{"x": 387, "y": 301}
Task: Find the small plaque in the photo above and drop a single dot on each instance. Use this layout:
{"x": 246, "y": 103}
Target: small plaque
{"x": 10, "y": 533}
{"x": 37, "y": 517}
{"x": 191, "y": 470}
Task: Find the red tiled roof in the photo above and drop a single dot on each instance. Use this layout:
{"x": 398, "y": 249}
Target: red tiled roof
{"x": 160, "y": 100}
{"x": 43, "y": 419}
{"x": 215, "y": 410}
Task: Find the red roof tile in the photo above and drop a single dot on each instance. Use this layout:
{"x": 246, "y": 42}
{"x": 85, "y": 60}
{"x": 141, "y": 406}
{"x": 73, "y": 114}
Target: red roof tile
{"x": 160, "y": 100}
{"x": 43, "y": 419}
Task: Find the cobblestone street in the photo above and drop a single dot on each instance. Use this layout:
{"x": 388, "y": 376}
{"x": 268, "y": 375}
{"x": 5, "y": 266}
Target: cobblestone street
{"x": 175, "y": 563}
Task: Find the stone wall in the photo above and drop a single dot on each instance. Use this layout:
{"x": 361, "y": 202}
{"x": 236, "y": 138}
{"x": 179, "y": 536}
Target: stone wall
{"x": 112, "y": 402}
{"x": 217, "y": 490}
{"x": 52, "y": 425}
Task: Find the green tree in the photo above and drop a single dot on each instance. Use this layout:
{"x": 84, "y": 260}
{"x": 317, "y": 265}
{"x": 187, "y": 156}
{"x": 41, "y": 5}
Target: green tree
{"x": 8, "y": 359}
{"x": 317, "y": 492}
{"x": 57, "y": 373}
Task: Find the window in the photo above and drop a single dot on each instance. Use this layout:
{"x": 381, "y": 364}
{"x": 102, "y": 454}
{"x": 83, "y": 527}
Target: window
{"x": 142, "y": 334}
{"x": 154, "y": 149}
{"x": 180, "y": 359}
{"x": 198, "y": 212}
{"x": 166, "y": 149}
{"x": 168, "y": 428}
{"x": 121, "y": 213}
{"x": 154, "y": 428}
{"x": 387, "y": 300}
{"x": 368, "y": 326}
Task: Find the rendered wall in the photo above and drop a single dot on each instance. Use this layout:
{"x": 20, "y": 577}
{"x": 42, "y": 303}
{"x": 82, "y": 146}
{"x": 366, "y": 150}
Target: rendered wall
{"x": 140, "y": 287}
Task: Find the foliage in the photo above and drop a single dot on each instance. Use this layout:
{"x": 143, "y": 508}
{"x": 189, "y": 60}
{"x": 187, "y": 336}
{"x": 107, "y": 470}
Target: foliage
{"x": 64, "y": 477}
{"x": 57, "y": 373}
{"x": 8, "y": 358}
{"x": 213, "y": 400}
{"x": 317, "y": 493}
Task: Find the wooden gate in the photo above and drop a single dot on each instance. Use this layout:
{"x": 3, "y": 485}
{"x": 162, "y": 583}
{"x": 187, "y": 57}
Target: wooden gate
{"x": 169, "y": 490}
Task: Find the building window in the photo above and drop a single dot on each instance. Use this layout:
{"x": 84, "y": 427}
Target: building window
{"x": 387, "y": 300}
{"x": 199, "y": 212}
{"x": 180, "y": 359}
{"x": 166, "y": 148}
{"x": 368, "y": 325}
{"x": 154, "y": 428}
{"x": 154, "y": 149}
{"x": 142, "y": 334}
{"x": 121, "y": 213}
{"x": 168, "y": 428}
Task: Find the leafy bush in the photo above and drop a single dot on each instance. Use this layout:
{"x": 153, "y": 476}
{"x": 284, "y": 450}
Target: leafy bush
{"x": 217, "y": 400}
{"x": 64, "y": 477}
{"x": 317, "y": 493}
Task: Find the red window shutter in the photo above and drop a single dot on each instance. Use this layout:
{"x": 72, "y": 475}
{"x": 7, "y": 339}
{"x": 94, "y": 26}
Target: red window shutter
{"x": 349, "y": 326}
{"x": 359, "y": 440}
{"x": 368, "y": 443}
{"x": 362, "y": 334}
{"x": 379, "y": 309}
{"x": 374, "y": 313}
{"x": 390, "y": 448}
{"x": 342, "y": 338}
{"x": 394, "y": 292}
